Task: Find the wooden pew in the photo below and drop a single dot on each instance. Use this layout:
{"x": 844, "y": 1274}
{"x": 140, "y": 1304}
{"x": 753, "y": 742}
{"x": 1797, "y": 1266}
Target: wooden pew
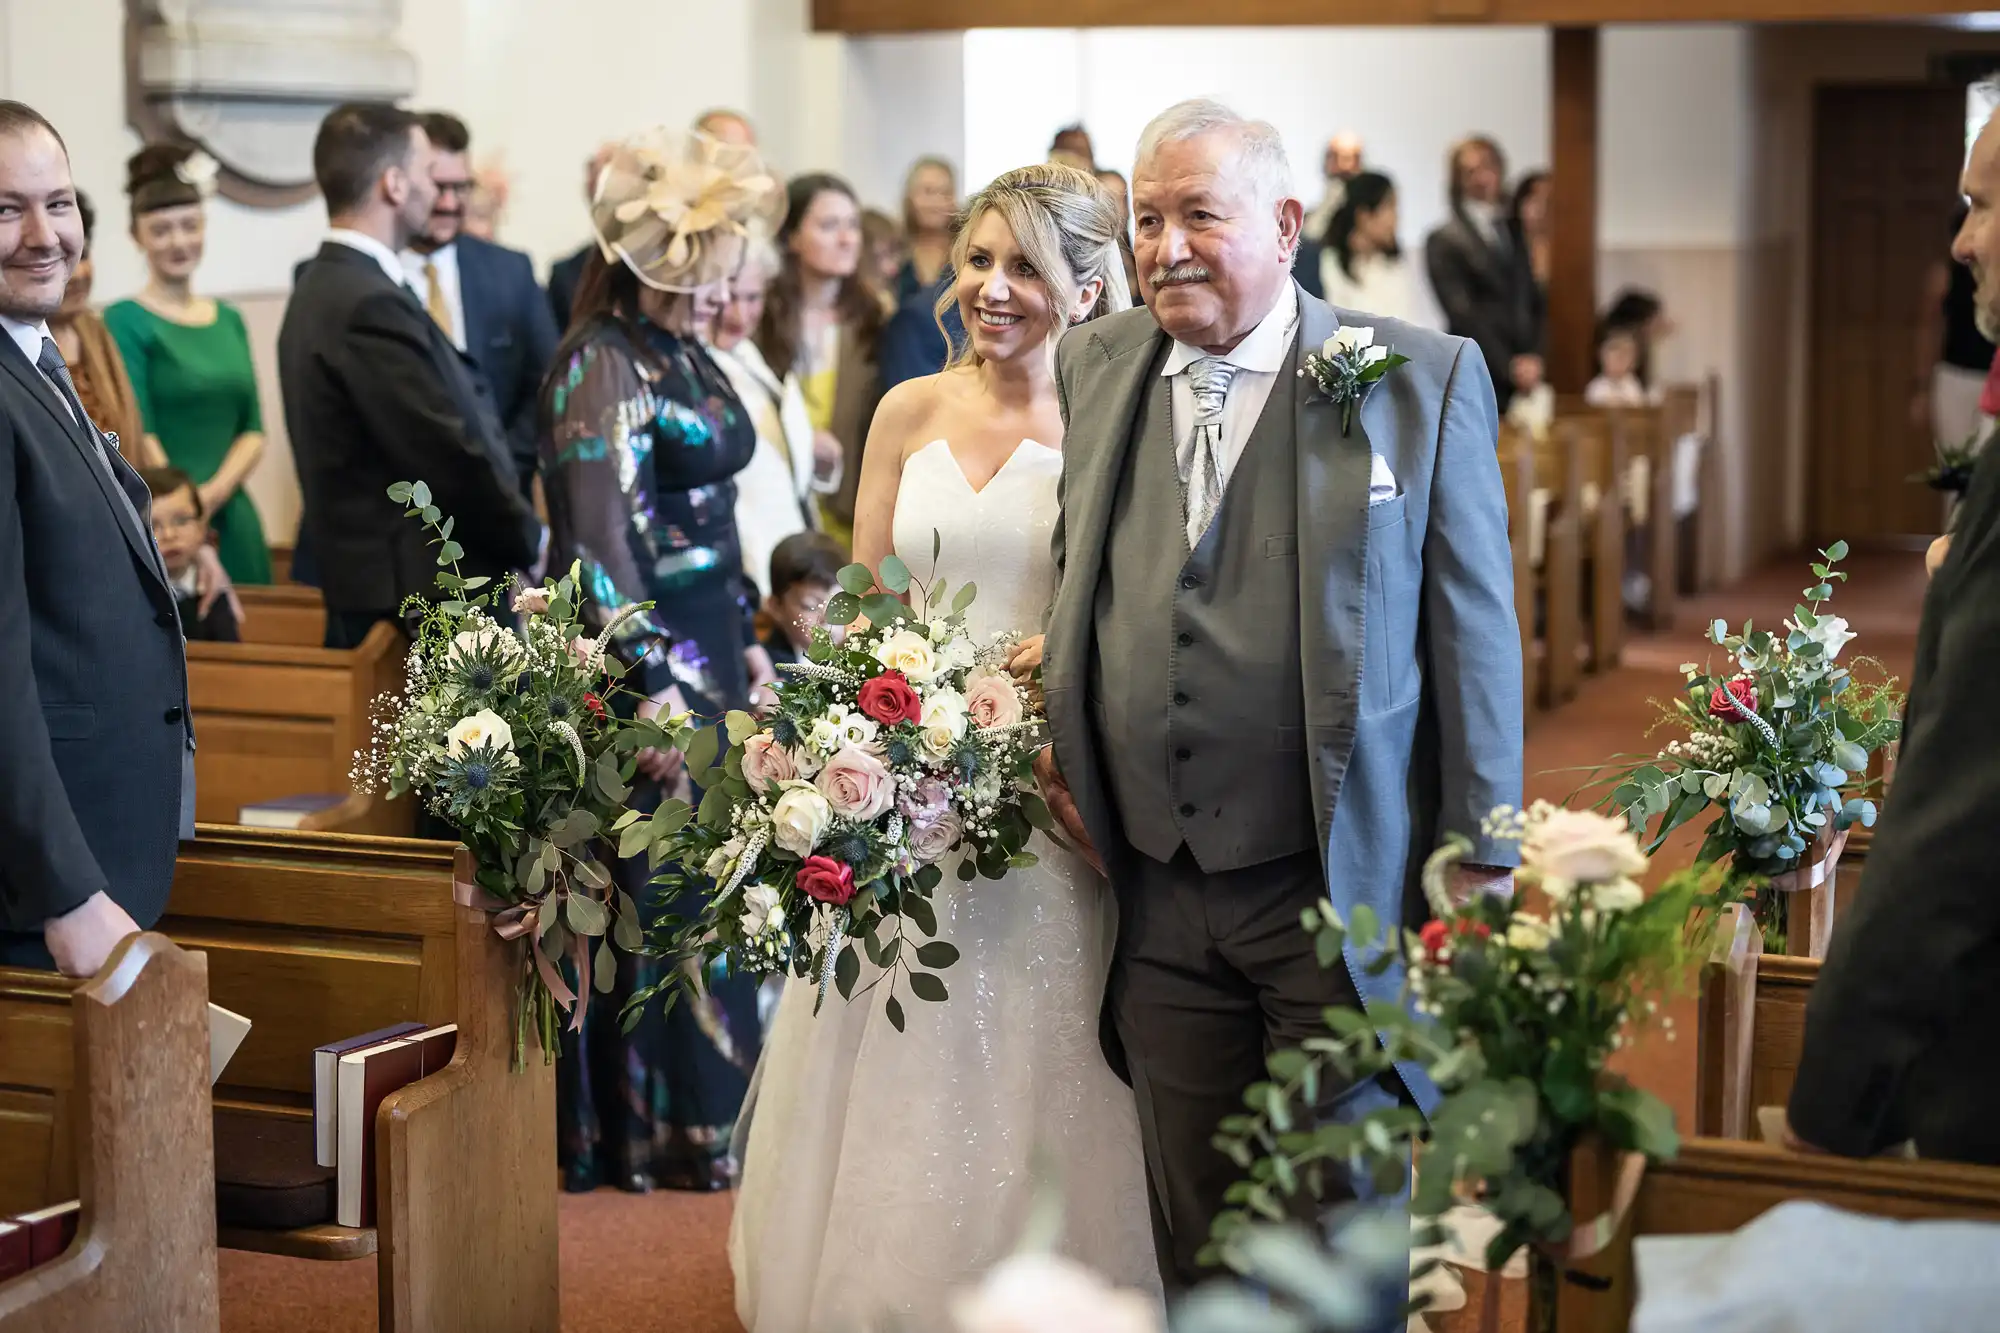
{"x": 1715, "y": 1186}
{"x": 274, "y": 720}
{"x": 1559, "y": 478}
{"x": 1517, "y": 475}
{"x": 316, "y": 937}
{"x": 283, "y": 613}
{"x": 1649, "y": 464}
{"x": 144, "y": 1253}
{"x": 1600, "y": 457}
{"x": 1750, "y": 1028}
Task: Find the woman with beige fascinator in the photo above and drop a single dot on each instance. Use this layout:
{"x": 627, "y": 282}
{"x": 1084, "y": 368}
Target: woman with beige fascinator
{"x": 642, "y": 437}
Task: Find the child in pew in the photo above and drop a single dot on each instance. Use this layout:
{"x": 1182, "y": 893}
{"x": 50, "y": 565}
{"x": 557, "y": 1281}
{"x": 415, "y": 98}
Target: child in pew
{"x": 805, "y": 573}
{"x": 181, "y": 529}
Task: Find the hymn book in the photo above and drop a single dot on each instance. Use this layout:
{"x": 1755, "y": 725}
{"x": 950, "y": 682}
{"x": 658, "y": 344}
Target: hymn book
{"x": 367, "y": 1076}
{"x": 326, "y": 1083}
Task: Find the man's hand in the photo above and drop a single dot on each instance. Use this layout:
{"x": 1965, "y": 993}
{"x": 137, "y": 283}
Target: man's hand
{"x": 1063, "y": 806}
{"x": 211, "y": 582}
{"x": 1467, "y": 882}
{"x": 1934, "y": 557}
{"x": 1027, "y": 658}
{"x": 82, "y": 938}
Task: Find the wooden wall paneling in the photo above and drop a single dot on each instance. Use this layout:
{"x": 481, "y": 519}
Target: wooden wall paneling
{"x": 1572, "y": 300}
{"x": 887, "y": 16}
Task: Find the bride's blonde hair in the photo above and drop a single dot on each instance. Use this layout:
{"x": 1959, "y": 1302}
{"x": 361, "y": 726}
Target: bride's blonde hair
{"x": 1067, "y": 225}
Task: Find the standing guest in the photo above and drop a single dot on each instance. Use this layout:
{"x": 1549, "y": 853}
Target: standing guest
{"x": 91, "y": 353}
{"x": 1528, "y": 228}
{"x": 913, "y": 343}
{"x": 96, "y": 736}
{"x": 1475, "y": 273}
{"x": 1899, "y": 1026}
{"x": 1361, "y": 264}
{"x": 1339, "y": 164}
{"x": 805, "y": 574}
{"x": 642, "y": 439}
{"x": 882, "y": 243}
{"x": 189, "y": 356}
{"x": 1071, "y": 146}
{"x": 1120, "y": 190}
{"x": 1953, "y": 356}
{"x": 483, "y": 296}
{"x": 822, "y": 323}
{"x": 181, "y": 529}
{"x": 565, "y": 274}
{"x": 375, "y": 393}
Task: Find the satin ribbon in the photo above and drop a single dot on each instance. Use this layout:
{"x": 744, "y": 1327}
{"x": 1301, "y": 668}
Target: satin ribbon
{"x": 513, "y": 920}
{"x": 1804, "y": 879}
{"x": 1586, "y": 1241}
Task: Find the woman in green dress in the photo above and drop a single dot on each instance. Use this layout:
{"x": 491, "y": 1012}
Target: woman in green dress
{"x": 189, "y": 356}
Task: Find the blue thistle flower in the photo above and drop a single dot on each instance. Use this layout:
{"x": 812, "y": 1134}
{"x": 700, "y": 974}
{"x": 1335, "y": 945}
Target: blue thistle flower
{"x": 476, "y": 775}
{"x": 559, "y": 707}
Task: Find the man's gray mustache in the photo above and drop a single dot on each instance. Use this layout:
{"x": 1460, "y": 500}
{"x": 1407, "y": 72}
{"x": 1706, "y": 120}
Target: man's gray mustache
{"x": 1163, "y": 277}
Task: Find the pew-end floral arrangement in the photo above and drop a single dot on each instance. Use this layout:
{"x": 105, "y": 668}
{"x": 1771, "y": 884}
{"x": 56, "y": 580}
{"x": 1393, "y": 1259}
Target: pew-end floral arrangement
{"x": 509, "y": 735}
{"x": 894, "y": 752}
{"x": 1513, "y": 1011}
{"x": 1779, "y": 742}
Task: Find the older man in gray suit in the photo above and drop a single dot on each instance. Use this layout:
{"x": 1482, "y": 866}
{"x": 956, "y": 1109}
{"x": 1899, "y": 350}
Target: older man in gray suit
{"x": 1281, "y": 662}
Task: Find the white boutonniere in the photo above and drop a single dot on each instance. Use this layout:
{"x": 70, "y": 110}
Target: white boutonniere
{"x": 1347, "y": 366}
{"x": 199, "y": 170}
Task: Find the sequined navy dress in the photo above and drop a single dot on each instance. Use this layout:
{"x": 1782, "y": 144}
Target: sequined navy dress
{"x": 642, "y": 437}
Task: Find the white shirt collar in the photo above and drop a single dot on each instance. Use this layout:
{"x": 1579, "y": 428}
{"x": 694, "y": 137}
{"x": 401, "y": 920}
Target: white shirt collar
{"x": 1263, "y": 349}
{"x": 374, "y": 249}
{"x": 445, "y": 257}
{"x": 28, "y": 337}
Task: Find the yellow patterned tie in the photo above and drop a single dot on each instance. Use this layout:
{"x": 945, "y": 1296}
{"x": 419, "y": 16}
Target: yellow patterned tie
{"x": 434, "y": 301}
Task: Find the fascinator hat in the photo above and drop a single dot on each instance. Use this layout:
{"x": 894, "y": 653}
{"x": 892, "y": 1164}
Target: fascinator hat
{"x": 667, "y": 200}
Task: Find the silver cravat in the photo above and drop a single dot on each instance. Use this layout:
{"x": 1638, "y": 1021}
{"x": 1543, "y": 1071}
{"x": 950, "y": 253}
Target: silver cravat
{"x": 1201, "y": 476}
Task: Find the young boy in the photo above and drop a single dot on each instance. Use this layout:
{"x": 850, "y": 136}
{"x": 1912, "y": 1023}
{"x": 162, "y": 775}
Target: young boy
{"x": 805, "y": 571}
{"x": 180, "y": 528}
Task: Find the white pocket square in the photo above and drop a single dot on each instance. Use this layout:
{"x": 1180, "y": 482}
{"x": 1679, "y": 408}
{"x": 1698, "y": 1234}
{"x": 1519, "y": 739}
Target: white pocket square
{"x": 1381, "y": 481}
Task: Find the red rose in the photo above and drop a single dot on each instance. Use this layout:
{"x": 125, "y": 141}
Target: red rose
{"x": 827, "y": 880}
{"x": 889, "y": 699}
{"x": 1731, "y": 701}
{"x": 1434, "y": 936}
{"x": 594, "y": 704}
{"x": 1479, "y": 930}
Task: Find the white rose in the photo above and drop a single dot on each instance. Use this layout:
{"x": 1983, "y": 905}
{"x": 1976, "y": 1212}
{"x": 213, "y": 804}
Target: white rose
{"x": 799, "y": 819}
{"x": 1831, "y": 634}
{"x": 1580, "y": 846}
{"x": 1620, "y": 895}
{"x": 1528, "y": 933}
{"x": 760, "y": 909}
{"x": 826, "y": 730}
{"x": 1348, "y": 338}
{"x": 483, "y": 728}
{"x": 910, "y": 653}
{"x": 858, "y": 729}
{"x": 1032, "y": 1293}
{"x": 943, "y": 722}
{"x": 961, "y": 653}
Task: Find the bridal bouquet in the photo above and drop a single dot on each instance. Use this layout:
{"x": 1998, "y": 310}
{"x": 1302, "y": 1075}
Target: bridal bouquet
{"x": 827, "y": 825}
{"x": 1778, "y": 742}
{"x": 506, "y": 735}
{"x": 1515, "y": 1012}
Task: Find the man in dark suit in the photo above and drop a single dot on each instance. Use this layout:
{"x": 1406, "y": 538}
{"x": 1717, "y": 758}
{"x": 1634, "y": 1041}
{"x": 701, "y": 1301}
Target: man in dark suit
{"x": 96, "y": 741}
{"x": 1899, "y": 1030}
{"x": 1484, "y": 291}
{"x": 375, "y": 393}
{"x": 484, "y": 296}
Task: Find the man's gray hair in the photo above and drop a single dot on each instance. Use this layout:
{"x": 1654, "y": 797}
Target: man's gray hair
{"x": 1260, "y": 148}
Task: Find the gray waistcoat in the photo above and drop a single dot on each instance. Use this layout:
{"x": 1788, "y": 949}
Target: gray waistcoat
{"x": 1195, "y": 685}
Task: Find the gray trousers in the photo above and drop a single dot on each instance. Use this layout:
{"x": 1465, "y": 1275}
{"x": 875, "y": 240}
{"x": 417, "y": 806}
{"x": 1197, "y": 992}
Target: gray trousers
{"x": 1211, "y": 974}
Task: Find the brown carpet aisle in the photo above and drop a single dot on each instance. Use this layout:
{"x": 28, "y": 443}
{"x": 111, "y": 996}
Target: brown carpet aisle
{"x": 637, "y": 1264}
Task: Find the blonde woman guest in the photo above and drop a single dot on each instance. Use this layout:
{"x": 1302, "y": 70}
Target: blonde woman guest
{"x": 773, "y": 494}
{"x": 930, "y": 202}
{"x": 822, "y": 322}
{"x": 1361, "y": 263}
{"x": 189, "y": 355}
{"x": 884, "y": 1169}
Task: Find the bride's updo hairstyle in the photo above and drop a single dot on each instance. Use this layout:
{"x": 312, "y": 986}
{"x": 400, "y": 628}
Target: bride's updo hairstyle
{"x": 1067, "y": 226}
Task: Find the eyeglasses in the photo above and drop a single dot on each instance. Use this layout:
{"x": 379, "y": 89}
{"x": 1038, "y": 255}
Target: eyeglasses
{"x": 175, "y": 523}
{"x": 461, "y": 188}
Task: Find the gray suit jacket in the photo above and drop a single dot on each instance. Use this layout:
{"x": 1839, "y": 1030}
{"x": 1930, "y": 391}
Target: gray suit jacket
{"x": 1412, "y": 661}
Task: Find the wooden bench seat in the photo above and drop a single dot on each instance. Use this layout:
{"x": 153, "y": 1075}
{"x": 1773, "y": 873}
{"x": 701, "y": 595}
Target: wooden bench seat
{"x": 276, "y": 720}
{"x": 316, "y": 937}
{"x": 140, "y": 1154}
{"x": 1553, "y": 536}
{"x": 282, "y": 613}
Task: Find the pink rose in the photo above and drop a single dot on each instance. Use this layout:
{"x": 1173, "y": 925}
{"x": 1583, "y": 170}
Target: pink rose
{"x": 532, "y": 601}
{"x": 926, "y": 802}
{"x": 932, "y": 841}
{"x": 766, "y": 762}
{"x": 580, "y": 649}
{"x": 857, "y": 784}
{"x": 826, "y": 880}
{"x": 992, "y": 701}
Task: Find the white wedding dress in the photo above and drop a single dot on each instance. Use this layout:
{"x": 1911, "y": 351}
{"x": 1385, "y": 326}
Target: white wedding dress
{"x": 883, "y": 1171}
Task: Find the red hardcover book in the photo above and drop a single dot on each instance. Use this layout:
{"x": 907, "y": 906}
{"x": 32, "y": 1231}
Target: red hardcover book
{"x": 366, "y": 1077}
{"x": 50, "y": 1230}
{"x": 13, "y": 1250}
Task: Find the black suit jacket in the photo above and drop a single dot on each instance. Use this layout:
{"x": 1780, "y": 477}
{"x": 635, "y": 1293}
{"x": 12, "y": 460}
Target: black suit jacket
{"x": 510, "y": 335}
{"x": 94, "y": 721}
{"x": 375, "y": 394}
{"x": 565, "y": 276}
{"x": 1899, "y": 1029}
{"x": 1485, "y": 295}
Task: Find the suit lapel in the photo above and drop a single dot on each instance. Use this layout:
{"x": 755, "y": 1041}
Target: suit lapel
{"x": 1333, "y": 471}
{"x": 473, "y": 297}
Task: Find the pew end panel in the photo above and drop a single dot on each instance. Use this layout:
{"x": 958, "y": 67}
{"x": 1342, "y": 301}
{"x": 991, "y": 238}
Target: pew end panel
{"x": 1517, "y": 471}
{"x": 467, "y": 1165}
{"x": 283, "y": 613}
{"x": 144, "y": 1253}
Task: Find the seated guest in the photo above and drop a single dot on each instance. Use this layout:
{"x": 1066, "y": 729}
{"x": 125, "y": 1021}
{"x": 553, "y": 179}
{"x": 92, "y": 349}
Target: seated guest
{"x": 484, "y": 296}
{"x": 375, "y": 393}
{"x": 181, "y": 529}
{"x": 1361, "y": 264}
{"x": 91, "y": 353}
{"x": 1644, "y": 315}
{"x": 1617, "y": 381}
{"x": 805, "y": 573}
{"x": 1899, "y": 1031}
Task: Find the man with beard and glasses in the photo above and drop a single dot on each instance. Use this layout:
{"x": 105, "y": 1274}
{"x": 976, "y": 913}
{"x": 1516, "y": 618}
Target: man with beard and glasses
{"x": 1899, "y": 1037}
{"x": 96, "y": 737}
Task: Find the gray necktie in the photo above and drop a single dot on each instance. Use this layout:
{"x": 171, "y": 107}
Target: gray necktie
{"x": 1201, "y": 474}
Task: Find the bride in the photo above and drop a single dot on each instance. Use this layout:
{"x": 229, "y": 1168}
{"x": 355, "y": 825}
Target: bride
{"x": 884, "y": 1170}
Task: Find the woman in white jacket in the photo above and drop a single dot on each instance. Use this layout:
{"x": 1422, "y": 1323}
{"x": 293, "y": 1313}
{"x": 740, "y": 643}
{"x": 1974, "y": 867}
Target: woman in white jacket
{"x": 792, "y": 462}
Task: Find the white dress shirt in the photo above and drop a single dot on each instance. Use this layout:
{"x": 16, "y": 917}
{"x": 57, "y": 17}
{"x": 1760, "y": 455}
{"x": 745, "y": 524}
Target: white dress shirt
{"x": 1380, "y": 285}
{"x": 1259, "y": 359}
{"x": 375, "y": 250}
{"x": 447, "y": 271}
{"x": 28, "y": 337}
